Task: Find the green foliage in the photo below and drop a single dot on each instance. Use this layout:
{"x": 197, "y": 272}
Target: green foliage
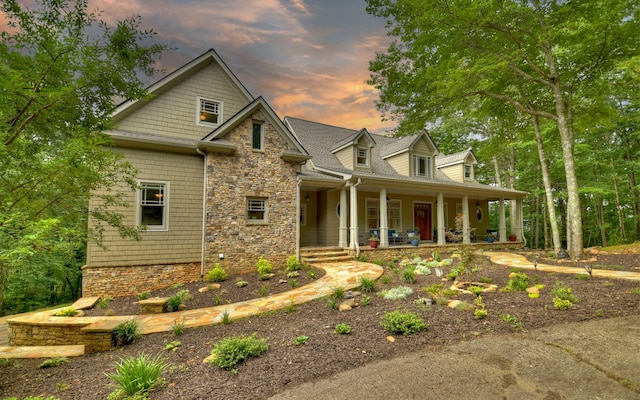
{"x": 636, "y": 291}
{"x": 241, "y": 284}
{"x": 104, "y": 302}
{"x": 231, "y": 351}
{"x": 480, "y": 313}
{"x": 485, "y": 280}
{"x": 333, "y": 304}
{"x": 137, "y": 375}
{"x": 385, "y": 280}
{"x": 561, "y": 304}
{"x": 367, "y": 284}
{"x": 434, "y": 288}
{"x": 263, "y": 290}
{"x": 217, "y": 300}
{"x": 293, "y": 274}
{"x": 343, "y": 329}
{"x": 126, "y": 333}
{"x": 293, "y": 264}
{"x": 516, "y": 325}
{"x": 293, "y": 283}
{"x": 476, "y": 290}
{"x": 53, "y": 362}
{"x": 178, "y": 327}
{"x": 66, "y": 312}
{"x": 216, "y": 274}
{"x": 225, "y": 318}
{"x": 366, "y": 300}
{"x": 400, "y": 292}
{"x": 263, "y": 266}
{"x": 409, "y": 275}
{"x": 583, "y": 277}
{"x": 177, "y": 301}
{"x": 300, "y": 340}
{"x": 464, "y": 306}
{"x": 144, "y": 295}
{"x": 173, "y": 345}
{"x": 337, "y": 292}
{"x": 517, "y": 282}
{"x": 564, "y": 293}
{"x": 402, "y": 322}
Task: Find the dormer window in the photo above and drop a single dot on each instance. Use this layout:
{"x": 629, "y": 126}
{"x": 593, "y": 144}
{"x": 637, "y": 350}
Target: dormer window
{"x": 422, "y": 166}
{"x": 362, "y": 157}
{"x": 209, "y": 112}
{"x": 468, "y": 172}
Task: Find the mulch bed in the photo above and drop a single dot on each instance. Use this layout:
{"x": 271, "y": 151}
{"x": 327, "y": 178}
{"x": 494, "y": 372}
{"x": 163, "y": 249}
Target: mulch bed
{"x": 327, "y": 352}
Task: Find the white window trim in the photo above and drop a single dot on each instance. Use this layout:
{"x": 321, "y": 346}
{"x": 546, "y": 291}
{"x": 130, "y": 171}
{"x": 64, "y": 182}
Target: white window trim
{"x": 165, "y": 212}
{"x": 368, "y": 156}
{"x": 427, "y": 163}
{"x": 262, "y": 221}
{"x": 464, "y": 172}
{"x": 261, "y": 149}
{"x": 198, "y": 105}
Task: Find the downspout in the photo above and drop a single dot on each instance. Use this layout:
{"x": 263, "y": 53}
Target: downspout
{"x": 204, "y": 210}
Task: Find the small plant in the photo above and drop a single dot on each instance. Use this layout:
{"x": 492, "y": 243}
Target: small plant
{"x": 635, "y": 291}
{"x": 517, "y": 282}
{"x": 126, "y": 333}
{"x": 480, "y": 313}
{"x": 62, "y": 386}
{"x": 561, "y": 304}
{"x": 293, "y": 274}
{"x": 400, "y": 292}
{"x": 583, "y": 277}
{"x": 599, "y": 313}
{"x": 448, "y": 292}
{"x": 216, "y": 274}
{"x": 363, "y": 258}
{"x": 53, "y": 362}
{"x": 300, "y": 340}
{"x": 177, "y": 285}
{"x": 104, "y": 302}
{"x": 293, "y": 264}
{"x": 464, "y": 306}
{"x": 367, "y": 284}
{"x": 338, "y": 292}
{"x": 333, "y": 304}
{"x": 176, "y": 302}
{"x": 312, "y": 275}
{"x": 66, "y": 312}
{"x": 241, "y": 283}
{"x": 378, "y": 262}
{"x": 231, "y": 351}
{"x": 366, "y": 300}
{"x": 485, "y": 280}
{"x": 264, "y": 290}
{"x": 434, "y": 288}
{"x": 479, "y": 301}
{"x": 343, "y": 329}
{"x": 144, "y": 295}
{"x": 226, "y": 317}
{"x": 173, "y": 345}
{"x": 263, "y": 266}
{"x": 442, "y": 301}
{"x": 293, "y": 283}
{"x": 533, "y": 295}
{"x": 135, "y": 376}
{"x": 409, "y": 275}
{"x": 7, "y": 362}
{"x": 403, "y": 322}
{"x": 178, "y": 328}
{"x": 217, "y": 300}
{"x": 516, "y": 325}
{"x": 476, "y": 290}
{"x": 385, "y": 280}
{"x": 564, "y": 293}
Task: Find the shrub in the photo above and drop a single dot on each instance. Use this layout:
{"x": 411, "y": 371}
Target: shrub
{"x": 400, "y": 292}
{"x": 136, "y": 375}
{"x": 144, "y": 295}
{"x": 217, "y": 274}
{"x": 343, "y": 329}
{"x": 564, "y": 293}
{"x": 300, "y": 340}
{"x": 403, "y": 322}
{"x": 561, "y": 304}
{"x": 66, "y": 312}
{"x": 104, "y": 302}
{"x": 517, "y": 282}
{"x": 177, "y": 301}
{"x": 293, "y": 264}
{"x": 477, "y": 290}
{"x": 126, "y": 333}
{"x": 409, "y": 275}
{"x": 231, "y": 351}
{"x": 173, "y": 345}
{"x": 338, "y": 292}
{"x": 367, "y": 284}
{"x": 263, "y": 266}
{"x": 53, "y": 362}
{"x": 480, "y": 313}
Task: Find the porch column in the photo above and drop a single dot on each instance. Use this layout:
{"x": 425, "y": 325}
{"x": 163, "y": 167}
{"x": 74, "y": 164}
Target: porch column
{"x": 442, "y": 240}
{"x": 353, "y": 214}
{"x": 502, "y": 232}
{"x": 518, "y": 230}
{"x": 465, "y": 220}
{"x": 384, "y": 221}
{"x": 344, "y": 230}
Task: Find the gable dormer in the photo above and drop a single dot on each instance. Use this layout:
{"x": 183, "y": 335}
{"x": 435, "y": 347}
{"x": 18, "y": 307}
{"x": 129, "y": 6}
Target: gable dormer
{"x": 459, "y": 166}
{"x": 354, "y": 152}
{"x": 412, "y": 155}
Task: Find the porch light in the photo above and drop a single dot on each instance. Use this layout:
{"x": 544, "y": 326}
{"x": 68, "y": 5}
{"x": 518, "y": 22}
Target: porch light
{"x": 307, "y": 198}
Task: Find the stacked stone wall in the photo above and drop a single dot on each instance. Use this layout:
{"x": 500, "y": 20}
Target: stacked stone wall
{"x": 131, "y": 280}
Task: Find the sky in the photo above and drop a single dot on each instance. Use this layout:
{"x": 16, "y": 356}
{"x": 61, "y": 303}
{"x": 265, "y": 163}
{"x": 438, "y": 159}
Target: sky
{"x": 308, "y": 58}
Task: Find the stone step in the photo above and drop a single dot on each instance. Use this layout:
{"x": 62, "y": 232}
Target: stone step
{"x": 42, "y": 351}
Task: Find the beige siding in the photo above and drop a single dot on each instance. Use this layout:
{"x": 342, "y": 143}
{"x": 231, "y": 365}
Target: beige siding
{"x": 182, "y": 242}
{"x": 401, "y": 163}
{"x": 174, "y": 112}
{"x": 455, "y": 172}
{"x": 346, "y": 157}
{"x": 308, "y": 232}
{"x": 422, "y": 147}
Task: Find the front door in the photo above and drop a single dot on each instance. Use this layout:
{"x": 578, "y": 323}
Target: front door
{"x": 422, "y": 220}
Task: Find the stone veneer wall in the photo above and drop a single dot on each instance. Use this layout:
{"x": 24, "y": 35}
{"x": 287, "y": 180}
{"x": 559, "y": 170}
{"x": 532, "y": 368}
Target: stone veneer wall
{"x": 61, "y": 331}
{"x": 131, "y": 280}
{"x": 249, "y": 173}
{"x": 392, "y": 252}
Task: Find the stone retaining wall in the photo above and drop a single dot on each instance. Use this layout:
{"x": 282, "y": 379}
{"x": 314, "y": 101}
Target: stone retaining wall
{"x": 45, "y": 335}
{"x": 131, "y": 280}
{"x": 391, "y": 252}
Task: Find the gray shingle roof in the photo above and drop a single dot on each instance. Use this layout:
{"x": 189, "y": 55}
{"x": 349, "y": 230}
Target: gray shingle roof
{"x": 454, "y": 158}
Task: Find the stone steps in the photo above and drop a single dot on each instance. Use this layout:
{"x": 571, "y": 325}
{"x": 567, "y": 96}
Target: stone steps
{"x": 325, "y": 254}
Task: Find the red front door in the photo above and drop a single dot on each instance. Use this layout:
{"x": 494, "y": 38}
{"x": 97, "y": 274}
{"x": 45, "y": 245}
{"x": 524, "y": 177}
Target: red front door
{"x": 422, "y": 220}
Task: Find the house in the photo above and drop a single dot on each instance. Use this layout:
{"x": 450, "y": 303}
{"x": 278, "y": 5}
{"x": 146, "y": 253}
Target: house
{"x": 222, "y": 179}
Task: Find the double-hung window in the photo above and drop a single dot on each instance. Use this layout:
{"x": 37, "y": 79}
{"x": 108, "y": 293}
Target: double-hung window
{"x": 256, "y": 210}
{"x": 422, "y": 166}
{"x": 209, "y": 112}
{"x": 153, "y": 197}
{"x": 468, "y": 172}
{"x": 362, "y": 157}
{"x": 257, "y": 136}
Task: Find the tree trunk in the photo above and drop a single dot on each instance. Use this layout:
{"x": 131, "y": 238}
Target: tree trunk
{"x": 546, "y": 181}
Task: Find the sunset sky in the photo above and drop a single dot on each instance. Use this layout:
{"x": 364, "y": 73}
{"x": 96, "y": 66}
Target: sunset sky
{"x": 307, "y": 58}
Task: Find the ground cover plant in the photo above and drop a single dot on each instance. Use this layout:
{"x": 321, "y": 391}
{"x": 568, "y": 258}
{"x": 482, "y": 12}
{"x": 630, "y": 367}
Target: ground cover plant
{"x": 324, "y": 352}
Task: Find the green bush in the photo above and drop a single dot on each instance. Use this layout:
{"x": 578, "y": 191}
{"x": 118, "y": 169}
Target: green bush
{"x": 177, "y": 301}
{"x": 367, "y": 284}
{"x": 126, "y": 333}
{"x": 477, "y": 290}
{"x": 409, "y": 275}
{"x": 66, "y": 312}
{"x": 136, "y": 375}
{"x": 293, "y": 264}
{"x": 561, "y": 304}
{"x": 343, "y": 329}
{"x": 518, "y": 282}
{"x": 564, "y": 293}
{"x": 217, "y": 274}
{"x": 338, "y": 292}
{"x": 231, "y": 351}
{"x": 480, "y": 313}
{"x": 403, "y": 322}
{"x": 263, "y": 266}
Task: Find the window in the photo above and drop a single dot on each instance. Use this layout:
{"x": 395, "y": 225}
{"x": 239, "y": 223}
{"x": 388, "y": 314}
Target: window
{"x": 372, "y": 214}
{"x": 422, "y": 166}
{"x": 256, "y": 209}
{"x": 468, "y": 172}
{"x": 209, "y": 112}
{"x": 362, "y": 157}
{"x": 303, "y": 214}
{"x": 152, "y": 210}
{"x": 257, "y": 138}
{"x": 394, "y": 214}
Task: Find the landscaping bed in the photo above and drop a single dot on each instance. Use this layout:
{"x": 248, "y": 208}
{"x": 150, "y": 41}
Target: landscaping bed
{"x": 326, "y": 352}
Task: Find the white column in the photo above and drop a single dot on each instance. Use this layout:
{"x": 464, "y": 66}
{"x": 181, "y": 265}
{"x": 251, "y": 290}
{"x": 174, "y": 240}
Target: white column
{"x": 465, "y": 220}
{"x": 298, "y": 219}
{"x": 353, "y": 213}
{"x": 384, "y": 221}
{"x": 344, "y": 229}
{"x": 502, "y": 232}
{"x": 442, "y": 240}
{"x": 519, "y": 229}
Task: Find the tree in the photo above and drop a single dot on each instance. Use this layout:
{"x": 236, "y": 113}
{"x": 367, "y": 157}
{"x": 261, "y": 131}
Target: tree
{"x": 60, "y": 69}
{"x": 447, "y": 52}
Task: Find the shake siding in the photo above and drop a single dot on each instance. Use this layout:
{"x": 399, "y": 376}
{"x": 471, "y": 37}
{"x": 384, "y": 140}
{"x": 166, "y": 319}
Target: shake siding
{"x": 346, "y": 157}
{"x": 173, "y": 113}
{"x": 401, "y": 163}
{"x": 182, "y": 242}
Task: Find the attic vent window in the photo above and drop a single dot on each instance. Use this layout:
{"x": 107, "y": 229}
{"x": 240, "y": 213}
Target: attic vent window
{"x": 362, "y": 157}
{"x": 209, "y": 112}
